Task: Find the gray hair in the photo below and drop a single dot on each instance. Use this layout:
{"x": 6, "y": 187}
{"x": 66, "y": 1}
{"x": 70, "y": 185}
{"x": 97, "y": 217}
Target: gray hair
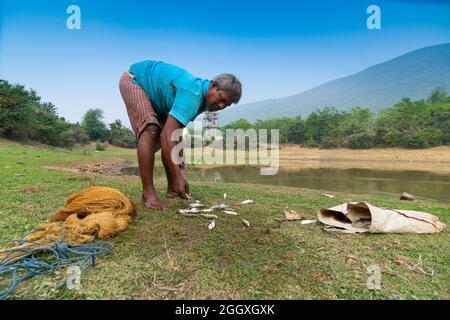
{"x": 229, "y": 83}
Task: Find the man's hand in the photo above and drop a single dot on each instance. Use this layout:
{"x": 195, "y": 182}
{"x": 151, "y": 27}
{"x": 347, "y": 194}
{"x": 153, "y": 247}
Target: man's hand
{"x": 181, "y": 187}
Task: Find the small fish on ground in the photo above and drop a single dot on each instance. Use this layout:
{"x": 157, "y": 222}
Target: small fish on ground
{"x": 247, "y": 201}
{"x": 308, "y": 221}
{"x": 197, "y": 205}
{"x": 232, "y": 213}
{"x": 209, "y": 216}
{"x": 212, "y": 225}
{"x": 203, "y": 215}
{"x": 328, "y": 195}
{"x": 224, "y": 195}
{"x": 191, "y": 210}
{"x": 246, "y": 223}
{"x": 219, "y": 207}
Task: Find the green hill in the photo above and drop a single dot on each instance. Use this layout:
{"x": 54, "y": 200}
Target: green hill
{"x": 412, "y": 75}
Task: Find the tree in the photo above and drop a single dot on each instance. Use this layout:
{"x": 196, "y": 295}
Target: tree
{"x": 239, "y": 124}
{"x": 438, "y": 95}
{"x": 357, "y": 120}
{"x": 322, "y": 125}
{"x": 48, "y": 127}
{"x": 16, "y": 111}
{"x": 363, "y": 140}
{"x": 424, "y": 138}
{"x": 23, "y": 116}
{"x": 121, "y": 136}
{"x": 93, "y": 124}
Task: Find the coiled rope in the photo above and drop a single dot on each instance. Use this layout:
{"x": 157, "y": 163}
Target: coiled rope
{"x": 43, "y": 259}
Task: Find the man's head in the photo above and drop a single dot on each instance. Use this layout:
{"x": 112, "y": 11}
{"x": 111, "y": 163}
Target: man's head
{"x": 224, "y": 90}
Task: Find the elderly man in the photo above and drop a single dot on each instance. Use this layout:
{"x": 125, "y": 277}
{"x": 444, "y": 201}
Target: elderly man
{"x": 161, "y": 98}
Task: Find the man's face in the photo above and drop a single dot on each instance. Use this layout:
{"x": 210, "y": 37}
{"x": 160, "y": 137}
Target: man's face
{"x": 216, "y": 99}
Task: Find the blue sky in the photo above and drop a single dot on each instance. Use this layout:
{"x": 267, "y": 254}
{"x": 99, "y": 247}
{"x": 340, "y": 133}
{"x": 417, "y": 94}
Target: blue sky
{"x": 277, "y": 48}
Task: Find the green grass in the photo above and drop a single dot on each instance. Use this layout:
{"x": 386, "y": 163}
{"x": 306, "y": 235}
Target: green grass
{"x": 165, "y": 256}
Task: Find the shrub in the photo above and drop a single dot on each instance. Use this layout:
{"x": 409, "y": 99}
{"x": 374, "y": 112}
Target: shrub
{"x": 121, "y": 136}
{"x": 68, "y": 139}
{"x": 127, "y": 140}
{"x": 310, "y": 143}
{"x": 393, "y": 138}
{"x": 330, "y": 143}
{"x": 363, "y": 140}
{"x": 100, "y": 146}
{"x": 425, "y": 138}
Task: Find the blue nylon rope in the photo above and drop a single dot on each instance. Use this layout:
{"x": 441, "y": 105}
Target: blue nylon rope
{"x": 62, "y": 254}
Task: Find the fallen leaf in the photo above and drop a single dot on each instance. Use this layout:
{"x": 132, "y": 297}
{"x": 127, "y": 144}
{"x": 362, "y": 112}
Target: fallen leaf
{"x": 292, "y": 215}
{"x": 351, "y": 257}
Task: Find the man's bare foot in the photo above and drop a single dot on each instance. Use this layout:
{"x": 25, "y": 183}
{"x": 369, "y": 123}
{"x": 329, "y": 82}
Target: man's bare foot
{"x": 151, "y": 201}
{"x": 171, "y": 194}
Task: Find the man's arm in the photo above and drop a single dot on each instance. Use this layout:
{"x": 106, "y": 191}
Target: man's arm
{"x": 167, "y": 145}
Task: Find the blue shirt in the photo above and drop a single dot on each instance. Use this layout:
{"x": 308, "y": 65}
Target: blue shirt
{"x": 158, "y": 79}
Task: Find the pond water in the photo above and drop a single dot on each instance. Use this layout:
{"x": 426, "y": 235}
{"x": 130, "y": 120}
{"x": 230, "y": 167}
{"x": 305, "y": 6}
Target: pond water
{"x": 420, "y": 183}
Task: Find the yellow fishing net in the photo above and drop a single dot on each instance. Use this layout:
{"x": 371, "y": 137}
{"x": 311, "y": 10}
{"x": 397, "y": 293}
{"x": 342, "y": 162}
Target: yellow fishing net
{"x": 95, "y": 212}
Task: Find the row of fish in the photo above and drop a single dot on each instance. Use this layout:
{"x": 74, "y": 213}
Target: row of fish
{"x": 198, "y": 209}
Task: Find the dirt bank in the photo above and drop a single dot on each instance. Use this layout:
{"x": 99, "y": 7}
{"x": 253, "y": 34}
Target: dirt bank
{"x": 433, "y": 159}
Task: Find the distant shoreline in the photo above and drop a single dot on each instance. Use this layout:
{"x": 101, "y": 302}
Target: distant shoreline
{"x": 437, "y": 160}
{"x": 295, "y": 157}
